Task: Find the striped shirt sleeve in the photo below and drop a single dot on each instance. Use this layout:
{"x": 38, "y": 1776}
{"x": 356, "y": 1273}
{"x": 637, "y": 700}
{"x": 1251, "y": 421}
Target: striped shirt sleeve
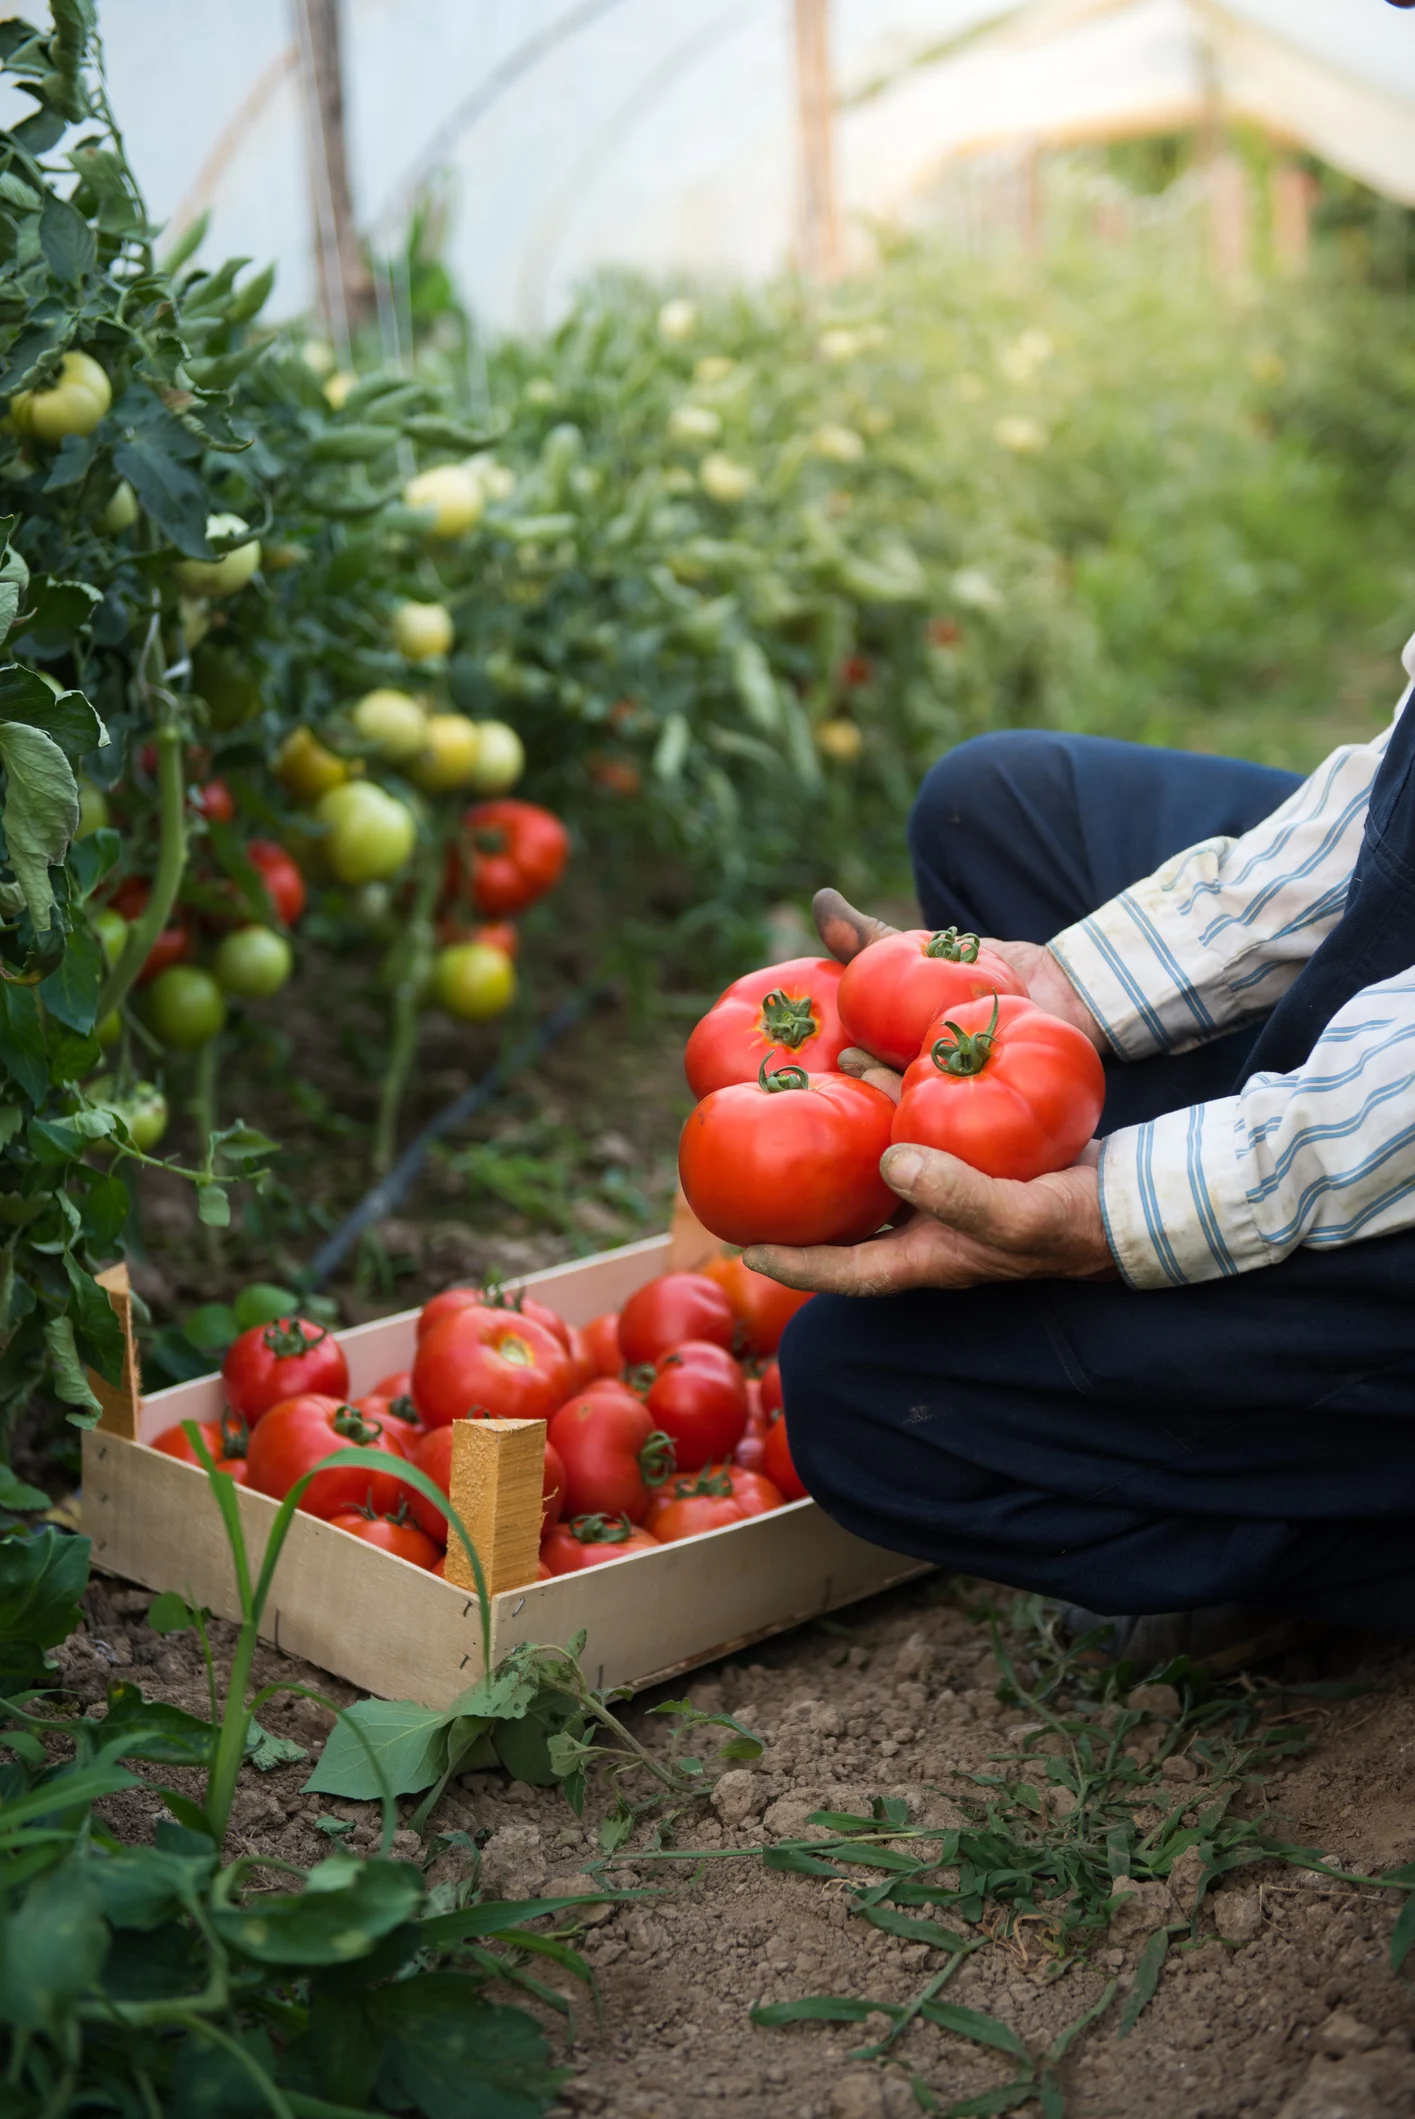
{"x": 1217, "y": 934}
{"x": 1323, "y": 1156}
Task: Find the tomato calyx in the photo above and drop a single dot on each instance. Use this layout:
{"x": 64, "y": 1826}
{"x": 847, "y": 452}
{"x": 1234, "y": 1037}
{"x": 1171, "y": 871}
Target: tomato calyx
{"x": 713, "y": 1480}
{"x": 658, "y": 1459}
{"x": 235, "y": 1435}
{"x": 953, "y": 947}
{"x": 403, "y": 1409}
{"x": 639, "y": 1378}
{"x": 781, "y": 1078}
{"x": 286, "y": 1340}
{"x": 965, "y": 1053}
{"x": 601, "y": 1530}
{"x": 351, "y": 1426}
{"x": 788, "y": 1022}
{"x": 489, "y": 838}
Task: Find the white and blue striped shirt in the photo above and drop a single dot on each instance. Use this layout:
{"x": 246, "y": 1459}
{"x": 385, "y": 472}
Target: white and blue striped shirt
{"x": 1324, "y": 1155}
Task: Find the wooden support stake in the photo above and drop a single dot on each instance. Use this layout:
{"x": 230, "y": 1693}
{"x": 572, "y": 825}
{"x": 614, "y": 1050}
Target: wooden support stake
{"x": 818, "y": 239}
{"x": 120, "y": 1401}
{"x": 498, "y": 1471}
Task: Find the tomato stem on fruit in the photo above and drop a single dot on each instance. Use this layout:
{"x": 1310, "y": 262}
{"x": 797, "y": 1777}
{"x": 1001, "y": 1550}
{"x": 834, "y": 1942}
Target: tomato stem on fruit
{"x": 602, "y": 1530}
{"x": 953, "y": 947}
{"x": 658, "y": 1459}
{"x": 965, "y": 1053}
{"x": 781, "y": 1078}
{"x": 788, "y": 1022}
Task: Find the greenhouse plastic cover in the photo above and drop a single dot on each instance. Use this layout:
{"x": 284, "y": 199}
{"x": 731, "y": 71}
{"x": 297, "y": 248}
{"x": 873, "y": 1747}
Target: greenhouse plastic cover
{"x": 660, "y": 133}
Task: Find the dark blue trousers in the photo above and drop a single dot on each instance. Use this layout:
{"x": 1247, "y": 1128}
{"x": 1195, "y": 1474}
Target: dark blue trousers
{"x": 1249, "y": 1440}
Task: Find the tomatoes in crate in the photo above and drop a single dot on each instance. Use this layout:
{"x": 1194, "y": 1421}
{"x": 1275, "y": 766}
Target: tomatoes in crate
{"x": 226, "y": 1440}
{"x": 777, "y": 1462}
{"x": 493, "y": 1363}
{"x": 1005, "y": 1087}
{"x": 588, "y": 1541}
{"x": 601, "y": 1338}
{"x": 699, "y": 1398}
{"x": 431, "y": 1451}
{"x": 771, "y": 1389}
{"x": 392, "y": 1399}
{"x": 718, "y": 1495}
{"x": 790, "y": 1158}
{"x": 612, "y": 1453}
{"x": 786, "y": 1012}
{"x": 494, "y": 1298}
{"x": 762, "y": 1306}
{"x": 280, "y": 1360}
{"x": 670, "y": 1309}
{"x": 891, "y": 991}
{"x": 393, "y": 1534}
{"x": 293, "y": 1436}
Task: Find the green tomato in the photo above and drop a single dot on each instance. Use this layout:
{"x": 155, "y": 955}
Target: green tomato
{"x": 109, "y": 1028}
{"x": 371, "y": 833}
{"x": 184, "y": 1007}
{"x": 75, "y": 404}
{"x": 112, "y": 931}
{"x": 451, "y": 494}
{"x": 93, "y": 809}
{"x": 422, "y": 630}
{"x": 253, "y": 963}
{"x": 143, "y": 1109}
{"x": 501, "y": 760}
{"x": 122, "y": 509}
{"x": 223, "y": 576}
{"x": 472, "y": 981}
{"x": 393, "y": 722}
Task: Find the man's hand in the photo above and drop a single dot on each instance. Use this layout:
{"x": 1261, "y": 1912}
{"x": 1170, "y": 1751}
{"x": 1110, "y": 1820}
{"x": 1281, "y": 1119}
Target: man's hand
{"x": 846, "y": 932}
{"x": 969, "y": 1229}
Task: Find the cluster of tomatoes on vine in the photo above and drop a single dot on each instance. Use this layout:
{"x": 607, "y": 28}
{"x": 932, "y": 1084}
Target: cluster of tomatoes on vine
{"x": 663, "y": 1420}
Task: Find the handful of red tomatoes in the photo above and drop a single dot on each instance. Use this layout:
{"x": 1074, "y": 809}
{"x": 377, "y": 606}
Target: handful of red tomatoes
{"x": 656, "y": 1427}
{"x": 783, "y": 1148}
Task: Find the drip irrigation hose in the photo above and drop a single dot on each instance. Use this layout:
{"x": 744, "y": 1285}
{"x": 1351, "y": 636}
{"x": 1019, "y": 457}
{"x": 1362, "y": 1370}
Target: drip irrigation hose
{"x": 390, "y": 1192}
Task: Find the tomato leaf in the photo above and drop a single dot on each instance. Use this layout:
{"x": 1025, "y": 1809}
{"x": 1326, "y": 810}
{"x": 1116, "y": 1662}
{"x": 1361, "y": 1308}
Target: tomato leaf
{"x": 22, "y": 1040}
{"x": 347, "y": 1906}
{"x": 41, "y": 812}
{"x": 71, "y": 993}
{"x": 70, "y": 246}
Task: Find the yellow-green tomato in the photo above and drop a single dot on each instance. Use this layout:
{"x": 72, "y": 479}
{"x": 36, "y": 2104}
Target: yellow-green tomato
{"x": 184, "y": 1007}
{"x": 74, "y": 405}
{"x": 122, "y": 509}
{"x": 253, "y": 963}
{"x": 371, "y": 833}
{"x": 223, "y": 576}
{"x": 422, "y": 630}
{"x": 452, "y": 492}
{"x": 724, "y": 479}
{"x": 394, "y": 723}
{"x": 93, "y": 809}
{"x": 109, "y": 1028}
{"x": 501, "y": 760}
{"x": 473, "y": 981}
{"x": 448, "y": 758}
{"x": 143, "y": 1109}
{"x": 112, "y": 931}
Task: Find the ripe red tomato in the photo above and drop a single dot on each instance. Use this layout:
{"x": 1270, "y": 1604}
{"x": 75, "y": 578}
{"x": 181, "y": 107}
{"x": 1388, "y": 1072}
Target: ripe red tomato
{"x": 280, "y": 1360}
{"x": 612, "y": 1454}
{"x": 392, "y": 1399}
{"x": 226, "y": 1439}
{"x": 892, "y": 991}
{"x": 762, "y": 1306}
{"x": 214, "y": 801}
{"x": 293, "y": 1437}
{"x": 591, "y": 1540}
{"x": 771, "y": 1389}
{"x": 720, "y": 1494}
{"x": 749, "y": 1450}
{"x": 504, "y": 935}
{"x": 601, "y": 1337}
{"x": 494, "y": 1298}
{"x": 492, "y": 1363}
{"x": 699, "y": 1398}
{"x": 790, "y": 1158}
{"x": 1009, "y": 1089}
{"x": 552, "y": 1489}
{"x": 583, "y": 1366}
{"x": 515, "y": 852}
{"x": 779, "y": 1468}
{"x": 787, "y": 1011}
{"x": 666, "y": 1311}
{"x": 173, "y": 946}
{"x": 284, "y": 885}
{"x": 856, "y": 670}
{"x": 393, "y": 1534}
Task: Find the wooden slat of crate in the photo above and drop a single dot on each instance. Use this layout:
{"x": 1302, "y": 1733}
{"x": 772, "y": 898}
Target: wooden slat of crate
{"x": 392, "y": 1629}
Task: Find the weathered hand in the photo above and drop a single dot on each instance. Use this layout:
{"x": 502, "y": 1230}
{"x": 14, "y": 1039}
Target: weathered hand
{"x": 846, "y": 932}
{"x": 969, "y": 1229}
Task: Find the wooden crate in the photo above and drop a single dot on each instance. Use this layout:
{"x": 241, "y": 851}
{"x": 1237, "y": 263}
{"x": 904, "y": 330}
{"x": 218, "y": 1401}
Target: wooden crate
{"x": 392, "y": 1629}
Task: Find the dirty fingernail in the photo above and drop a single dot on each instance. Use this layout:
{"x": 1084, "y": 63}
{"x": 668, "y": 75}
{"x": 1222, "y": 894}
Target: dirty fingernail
{"x": 902, "y": 1166}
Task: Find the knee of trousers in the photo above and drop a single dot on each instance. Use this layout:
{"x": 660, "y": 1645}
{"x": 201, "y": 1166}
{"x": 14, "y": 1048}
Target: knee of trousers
{"x": 961, "y": 787}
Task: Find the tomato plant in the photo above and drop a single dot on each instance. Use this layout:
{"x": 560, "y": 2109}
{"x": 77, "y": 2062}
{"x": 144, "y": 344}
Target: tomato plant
{"x": 892, "y": 991}
{"x": 1005, "y": 1087}
{"x": 291, "y": 1438}
{"x": 791, "y": 1158}
{"x": 282, "y": 1360}
{"x": 483, "y": 1361}
{"x": 670, "y": 1309}
{"x": 699, "y": 1398}
{"x": 787, "y": 1012}
{"x": 612, "y": 1455}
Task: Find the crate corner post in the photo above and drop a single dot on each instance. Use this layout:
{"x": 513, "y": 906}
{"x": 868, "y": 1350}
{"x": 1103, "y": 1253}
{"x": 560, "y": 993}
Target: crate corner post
{"x": 498, "y": 1472}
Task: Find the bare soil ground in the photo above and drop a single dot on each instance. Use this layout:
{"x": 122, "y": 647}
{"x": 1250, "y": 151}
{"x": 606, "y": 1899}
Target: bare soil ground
{"x": 1287, "y": 2010}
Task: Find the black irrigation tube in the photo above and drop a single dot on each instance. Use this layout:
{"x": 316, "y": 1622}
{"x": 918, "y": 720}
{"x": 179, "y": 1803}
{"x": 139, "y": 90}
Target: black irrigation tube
{"x": 390, "y": 1191}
